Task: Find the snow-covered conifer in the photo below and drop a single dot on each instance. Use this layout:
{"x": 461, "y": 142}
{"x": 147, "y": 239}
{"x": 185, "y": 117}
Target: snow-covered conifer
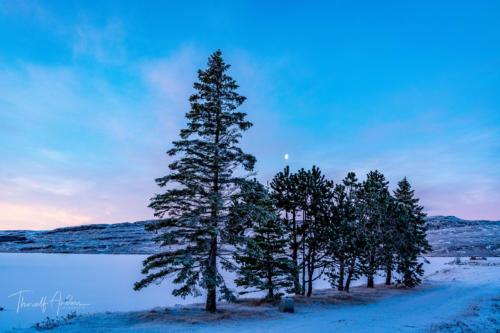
{"x": 194, "y": 207}
{"x": 286, "y": 196}
{"x": 373, "y": 204}
{"x": 262, "y": 259}
{"x": 412, "y": 235}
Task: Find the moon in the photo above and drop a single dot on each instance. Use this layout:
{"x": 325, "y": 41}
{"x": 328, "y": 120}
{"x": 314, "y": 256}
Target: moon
{"x": 286, "y": 156}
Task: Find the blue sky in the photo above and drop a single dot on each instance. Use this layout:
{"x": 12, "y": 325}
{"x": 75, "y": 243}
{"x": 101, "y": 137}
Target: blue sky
{"x": 92, "y": 94}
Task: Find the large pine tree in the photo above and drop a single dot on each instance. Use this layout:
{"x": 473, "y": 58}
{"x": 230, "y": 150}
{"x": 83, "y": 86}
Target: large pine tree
{"x": 194, "y": 207}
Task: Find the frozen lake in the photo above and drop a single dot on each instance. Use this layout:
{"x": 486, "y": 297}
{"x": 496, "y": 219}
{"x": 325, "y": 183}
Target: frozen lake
{"x": 99, "y": 282}
{"x": 34, "y": 286}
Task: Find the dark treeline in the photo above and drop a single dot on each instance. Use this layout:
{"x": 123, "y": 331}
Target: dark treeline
{"x": 348, "y": 230}
{"x": 278, "y": 239}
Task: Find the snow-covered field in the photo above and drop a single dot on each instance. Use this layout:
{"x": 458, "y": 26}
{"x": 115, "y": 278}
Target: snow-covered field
{"x": 101, "y": 283}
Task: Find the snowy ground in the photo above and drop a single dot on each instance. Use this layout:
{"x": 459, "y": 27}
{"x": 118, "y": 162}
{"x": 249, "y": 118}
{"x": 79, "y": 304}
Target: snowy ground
{"x": 454, "y": 298}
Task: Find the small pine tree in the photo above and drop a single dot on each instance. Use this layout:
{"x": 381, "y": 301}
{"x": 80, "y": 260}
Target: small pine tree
{"x": 302, "y": 187}
{"x": 374, "y": 201}
{"x": 286, "y": 197}
{"x": 351, "y": 229}
{"x": 263, "y": 261}
{"x": 343, "y": 239}
{"x": 336, "y": 246}
{"x": 316, "y": 197}
{"x": 390, "y": 239}
{"x": 193, "y": 210}
{"x": 411, "y": 232}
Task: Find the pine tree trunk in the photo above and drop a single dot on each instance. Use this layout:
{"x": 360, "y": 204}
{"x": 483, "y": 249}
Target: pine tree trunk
{"x": 350, "y": 273}
{"x": 270, "y": 294}
{"x": 388, "y": 277}
{"x": 388, "y": 272}
{"x": 407, "y": 280}
{"x": 311, "y": 270}
{"x": 270, "y": 290}
{"x": 348, "y": 281}
{"x": 310, "y": 273}
{"x": 295, "y": 250}
{"x": 303, "y": 266}
{"x": 269, "y": 263}
{"x": 211, "y": 304}
{"x": 370, "y": 283}
{"x": 303, "y": 287}
{"x": 371, "y": 268}
{"x": 340, "y": 285}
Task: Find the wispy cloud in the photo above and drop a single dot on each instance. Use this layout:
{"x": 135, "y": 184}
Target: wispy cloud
{"x": 25, "y": 8}
{"x": 104, "y": 43}
{"x": 53, "y": 89}
{"x": 46, "y": 185}
{"x": 170, "y": 80}
{"x": 54, "y": 155}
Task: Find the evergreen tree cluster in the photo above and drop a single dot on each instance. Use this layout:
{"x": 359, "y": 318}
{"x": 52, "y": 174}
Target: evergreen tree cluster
{"x": 278, "y": 239}
{"x": 349, "y": 230}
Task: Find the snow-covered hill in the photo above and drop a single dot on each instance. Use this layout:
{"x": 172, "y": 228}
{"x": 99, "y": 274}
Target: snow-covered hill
{"x": 452, "y": 236}
{"x": 118, "y": 238}
{"x": 448, "y": 235}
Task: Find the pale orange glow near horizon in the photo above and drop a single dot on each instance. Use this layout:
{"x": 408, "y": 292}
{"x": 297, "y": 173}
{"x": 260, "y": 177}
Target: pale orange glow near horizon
{"x": 15, "y": 216}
